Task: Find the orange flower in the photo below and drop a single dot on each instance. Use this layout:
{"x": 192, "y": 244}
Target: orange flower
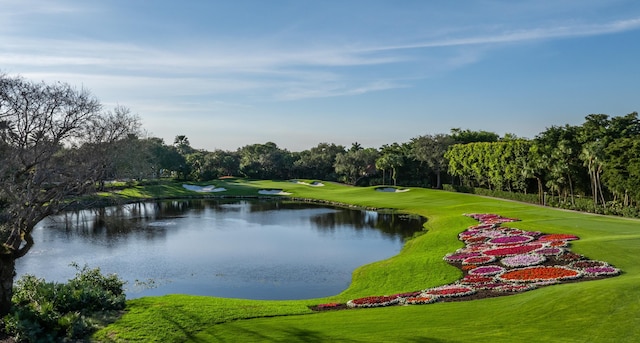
{"x": 539, "y": 273}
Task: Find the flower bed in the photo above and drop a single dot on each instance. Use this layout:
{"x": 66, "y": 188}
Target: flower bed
{"x": 453, "y": 290}
{"x": 520, "y": 268}
{"x": 600, "y": 271}
{"x": 570, "y": 256}
{"x": 507, "y": 287}
{"x": 511, "y": 239}
{"x": 421, "y": 299}
{"x": 478, "y": 259}
{"x": 558, "y": 244}
{"x": 514, "y": 250}
{"x": 458, "y": 257}
{"x": 407, "y": 294}
{"x": 475, "y": 239}
{"x": 375, "y": 301}
{"x": 479, "y": 248}
{"x": 476, "y": 279}
{"x": 487, "y": 270}
{"x": 524, "y": 260}
{"x": 586, "y": 264}
{"x": 550, "y": 251}
{"x": 539, "y": 273}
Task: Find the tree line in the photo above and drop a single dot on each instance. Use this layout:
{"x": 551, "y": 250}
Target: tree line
{"x": 598, "y": 160}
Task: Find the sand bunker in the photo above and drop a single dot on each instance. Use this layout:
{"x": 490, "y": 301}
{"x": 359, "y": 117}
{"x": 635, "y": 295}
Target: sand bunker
{"x": 272, "y": 192}
{"x": 204, "y": 189}
{"x": 313, "y": 184}
{"x": 391, "y": 190}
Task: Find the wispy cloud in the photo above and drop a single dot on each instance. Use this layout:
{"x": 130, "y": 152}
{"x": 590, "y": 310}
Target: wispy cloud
{"x": 286, "y": 74}
{"x": 521, "y": 35}
{"x": 305, "y": 91}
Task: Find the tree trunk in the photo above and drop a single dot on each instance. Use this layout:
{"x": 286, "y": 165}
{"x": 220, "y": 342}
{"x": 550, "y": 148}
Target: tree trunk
{"x": 573, "y": 201}
{"x": 540, "y": 191}
{"x": 7, "y": 273}
{"x": 599, "y": 184}
{"x": 626, "y": 199}
{"x": 14, "y": 250}
{"x": 595, "y": 188}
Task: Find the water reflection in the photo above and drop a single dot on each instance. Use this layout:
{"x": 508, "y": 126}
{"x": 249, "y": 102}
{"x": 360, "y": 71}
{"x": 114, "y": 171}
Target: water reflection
{"x": 253, "y": 249}
{"x": 391, "y": 225}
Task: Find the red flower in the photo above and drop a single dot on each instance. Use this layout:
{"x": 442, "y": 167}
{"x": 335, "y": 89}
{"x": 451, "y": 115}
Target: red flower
{"x": 539, "y": 273}
{"x": 515, "y": 250}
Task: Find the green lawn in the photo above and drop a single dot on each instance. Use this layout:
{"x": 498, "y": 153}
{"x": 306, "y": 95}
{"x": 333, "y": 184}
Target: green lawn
{"x": 605, "y": 310}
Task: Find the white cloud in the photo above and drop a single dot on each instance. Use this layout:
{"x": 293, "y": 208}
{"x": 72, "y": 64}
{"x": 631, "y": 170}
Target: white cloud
{"x": 520, "y": 35}
{"x": 331, "y": 90}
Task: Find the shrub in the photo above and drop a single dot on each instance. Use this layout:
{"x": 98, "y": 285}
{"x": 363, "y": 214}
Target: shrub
{"x": 50, "y": 312}
{"x": 578, "y": 203}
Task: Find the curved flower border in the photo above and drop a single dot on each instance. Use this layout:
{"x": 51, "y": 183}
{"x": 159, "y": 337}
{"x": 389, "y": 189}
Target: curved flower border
{"x": 454, "y": 290}
{"x": 421, "y": 299}
{"x": 375, "y": 301}
{"x": 520, "y": 268}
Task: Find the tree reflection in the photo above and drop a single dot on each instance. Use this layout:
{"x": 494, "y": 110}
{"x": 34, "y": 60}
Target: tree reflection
{"x": 390, "y": 224}
{"x": 111, "y": 223}
{"x": 150, "y": 218}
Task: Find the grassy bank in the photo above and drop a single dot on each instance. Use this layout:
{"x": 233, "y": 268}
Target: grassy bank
{"x": 593, "y": 311}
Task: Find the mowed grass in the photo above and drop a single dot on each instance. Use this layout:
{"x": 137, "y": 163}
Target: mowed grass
{"x": 605, "y": 310}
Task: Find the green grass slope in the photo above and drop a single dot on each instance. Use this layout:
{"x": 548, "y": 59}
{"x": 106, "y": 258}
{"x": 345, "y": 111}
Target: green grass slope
{"x": 605, "y": 310}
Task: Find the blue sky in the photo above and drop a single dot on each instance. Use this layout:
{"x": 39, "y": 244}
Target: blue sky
{"x": 297, "y": 73}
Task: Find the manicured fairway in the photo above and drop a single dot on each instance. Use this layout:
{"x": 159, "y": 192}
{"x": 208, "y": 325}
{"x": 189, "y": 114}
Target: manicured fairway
{"x": 605, "y": 310}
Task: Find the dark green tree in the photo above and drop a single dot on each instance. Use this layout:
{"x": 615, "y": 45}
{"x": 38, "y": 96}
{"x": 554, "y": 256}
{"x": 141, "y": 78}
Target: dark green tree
{"x": 559, "y": 149}
{"x": 392, "y": 162}
{"x": 468, "y": 136}
{"x": 181, "y": 142}
{"x": 431, "y": 149}
{"x": 265, "y": 161}
{"x": 622, "y": 172}
{"x": 317, "y": 162}
{"x": 166, "y": 159}
{"x": 223, "y": 163}
{"x": 356, "y": 164}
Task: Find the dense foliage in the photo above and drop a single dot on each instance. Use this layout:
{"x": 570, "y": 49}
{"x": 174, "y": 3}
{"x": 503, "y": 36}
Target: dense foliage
{"x": 52, "y": 312}
{"x": 591, "y": 167}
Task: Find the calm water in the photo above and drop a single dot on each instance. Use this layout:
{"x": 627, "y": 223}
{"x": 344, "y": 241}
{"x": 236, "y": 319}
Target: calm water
{"x": 228, "y": 248}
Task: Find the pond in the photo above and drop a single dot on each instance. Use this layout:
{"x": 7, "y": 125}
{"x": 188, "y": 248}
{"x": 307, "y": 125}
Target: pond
{"x": 253, "y": 249}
